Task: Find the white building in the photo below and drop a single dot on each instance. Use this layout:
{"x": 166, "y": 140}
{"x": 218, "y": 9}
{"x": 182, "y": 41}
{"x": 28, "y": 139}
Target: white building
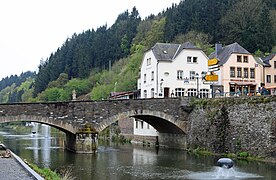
{"x": 141, "y": 128}
{"x": 173, "y": 70}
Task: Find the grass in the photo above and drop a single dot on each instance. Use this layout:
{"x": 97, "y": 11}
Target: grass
{"x": 48, "y": 174}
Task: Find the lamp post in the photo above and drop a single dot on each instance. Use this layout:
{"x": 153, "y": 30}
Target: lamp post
{"x": 197, "y": 85}
{"x": 161, "y": 87}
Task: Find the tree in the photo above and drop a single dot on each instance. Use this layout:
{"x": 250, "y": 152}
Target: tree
{"x": 199, "y": 39}
{"x": 156, "y": 34}
{"x": 240, "y": 23}
{"x": 263, "y": 36}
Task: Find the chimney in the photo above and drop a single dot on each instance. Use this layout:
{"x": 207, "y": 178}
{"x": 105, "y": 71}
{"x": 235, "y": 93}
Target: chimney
{"x": 218, "y": 47}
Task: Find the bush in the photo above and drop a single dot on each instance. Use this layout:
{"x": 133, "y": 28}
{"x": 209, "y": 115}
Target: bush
{"x": 243, "y": 154}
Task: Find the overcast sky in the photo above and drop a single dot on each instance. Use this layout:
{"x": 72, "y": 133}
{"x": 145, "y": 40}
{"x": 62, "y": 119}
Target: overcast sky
{"x": 32, "y": 29}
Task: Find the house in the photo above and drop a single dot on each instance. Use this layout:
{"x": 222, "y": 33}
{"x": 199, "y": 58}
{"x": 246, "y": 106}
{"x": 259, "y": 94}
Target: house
{"x": 240, "y": 73}
{"x": 173, "y": 70}
{"x": 170, "y": 70}
{"x": 269, "y": 73}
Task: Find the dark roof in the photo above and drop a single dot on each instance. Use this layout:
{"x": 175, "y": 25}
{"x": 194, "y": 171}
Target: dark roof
{"x": 259, "y": 61}
{"x": 225, "y": 52}
{"x": 167, "y": 52}
{"x": 267, "y": 59}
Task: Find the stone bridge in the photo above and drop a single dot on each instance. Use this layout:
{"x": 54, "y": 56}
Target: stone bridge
{"x": 221, "y": 125}
{"x": 167, "y": 116}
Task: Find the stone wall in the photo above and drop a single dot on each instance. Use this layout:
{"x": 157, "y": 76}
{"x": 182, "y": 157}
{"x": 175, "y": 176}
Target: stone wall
{"x": 234, "y": 125}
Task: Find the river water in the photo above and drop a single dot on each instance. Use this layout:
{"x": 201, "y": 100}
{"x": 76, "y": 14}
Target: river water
{"x": 123, "y": 162}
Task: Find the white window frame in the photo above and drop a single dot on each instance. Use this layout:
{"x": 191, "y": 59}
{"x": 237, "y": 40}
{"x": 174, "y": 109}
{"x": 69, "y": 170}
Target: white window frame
{"x": 192, "y": 75}
{"x": 179, "y": 74}
{"x": 179, "y": 92}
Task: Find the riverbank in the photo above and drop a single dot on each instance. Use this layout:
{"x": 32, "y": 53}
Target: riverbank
{"x": 13, "y": 167}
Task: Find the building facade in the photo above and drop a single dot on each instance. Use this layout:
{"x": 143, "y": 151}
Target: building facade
{"x": 173, "y": 70}
{"x": 269, "y": 73}
{"x": 240, "y": 73}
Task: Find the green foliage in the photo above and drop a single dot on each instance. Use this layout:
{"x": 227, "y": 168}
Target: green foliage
{"x": 199, "y": 39}
{"x": 101, "y": 92}
{"x": 251, "y": 30}
{"x": 259, "y": 53}
{"x": 122, "y": 77}
{"x": 60, "y": 82}
{"x": 243, "y": 154}
{"x": 64, "y": 93}
{"x": 50, "y": 94}
{"x": 156, "y": 34}
{"x": 45, "y": 172}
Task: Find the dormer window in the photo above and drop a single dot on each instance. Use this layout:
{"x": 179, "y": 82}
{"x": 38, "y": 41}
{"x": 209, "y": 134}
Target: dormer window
{"x": 189, "y": 59}
{"x": 148, "y": 61}
{"x": 239, "y": 58}
{"x": 165, "y": 52}
{"x": 245, "y": 59}
{"x": 194, "y": 59}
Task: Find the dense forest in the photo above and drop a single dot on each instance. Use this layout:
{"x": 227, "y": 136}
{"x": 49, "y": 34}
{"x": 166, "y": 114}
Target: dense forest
{"x": 96, "y": 62}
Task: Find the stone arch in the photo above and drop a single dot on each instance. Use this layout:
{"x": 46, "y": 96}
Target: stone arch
{"x": 161, "y": 121}
{"x": 61, "y": 125}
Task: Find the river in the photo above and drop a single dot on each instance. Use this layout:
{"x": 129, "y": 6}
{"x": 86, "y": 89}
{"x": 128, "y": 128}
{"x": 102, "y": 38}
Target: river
{"x": 123, "y": 162}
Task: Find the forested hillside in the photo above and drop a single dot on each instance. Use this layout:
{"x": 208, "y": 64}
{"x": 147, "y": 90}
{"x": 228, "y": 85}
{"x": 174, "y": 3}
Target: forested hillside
{"x": 96, "y": 62}
{"x": 12, "y": 88}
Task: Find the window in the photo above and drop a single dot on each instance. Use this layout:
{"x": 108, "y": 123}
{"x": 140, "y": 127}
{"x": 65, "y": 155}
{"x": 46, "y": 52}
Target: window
{"x": 274, "y": 78}
{"x": 148, "y": 61}
{"x": 252, "y": 73}
{"x": 232, "y": 71}
{"x": 179, "y": 92}
{"x": 136, "y": 124}
{"x": 239, "y": 58}
{"x": 148, "y": 125}
{"x": 145, "y": 78}
{"x": 142, "y": 124}
{"x": 239, "y": 72}
{"x": 194, "y": 59}
{"x": 152, "y": 92}
{"x": 152, "y": 75}
{"x": 245, "y": 59}
{"x": 191, "y": 92}
{"x": 192, "y": 74}
{"x": 274, "y": 64}
{"x": 179, "y": 74}
{"x": 145, "y": 93}
{"x": 189, "y": 59}
{"x": 245, "y": 72}
{"x": 268, "y": 78}
{"x": 203, "y": 93}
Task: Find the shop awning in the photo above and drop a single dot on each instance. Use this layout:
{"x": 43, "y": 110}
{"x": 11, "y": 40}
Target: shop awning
{"x": 243, "y": 83}
{"x": 271, "y": 87}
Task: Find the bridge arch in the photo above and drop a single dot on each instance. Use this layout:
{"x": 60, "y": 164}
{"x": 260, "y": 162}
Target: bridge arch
{"x": 61, "y": 125}
{"x": 162, "y": 122}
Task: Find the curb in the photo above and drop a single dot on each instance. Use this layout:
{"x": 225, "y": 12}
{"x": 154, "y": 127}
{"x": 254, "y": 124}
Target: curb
{"x": 26, "y": 167}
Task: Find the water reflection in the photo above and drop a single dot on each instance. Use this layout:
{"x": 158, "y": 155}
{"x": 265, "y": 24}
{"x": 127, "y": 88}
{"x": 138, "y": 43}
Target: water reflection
{"x": 135, "y": 162}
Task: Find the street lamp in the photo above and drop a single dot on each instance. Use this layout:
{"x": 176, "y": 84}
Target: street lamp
{"x": 161, "y": 88}
{"x": 197, "y": 85}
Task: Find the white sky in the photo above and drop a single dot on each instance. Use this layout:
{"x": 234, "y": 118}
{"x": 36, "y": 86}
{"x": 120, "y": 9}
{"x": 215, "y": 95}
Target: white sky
{"x": 31, "y": 30}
